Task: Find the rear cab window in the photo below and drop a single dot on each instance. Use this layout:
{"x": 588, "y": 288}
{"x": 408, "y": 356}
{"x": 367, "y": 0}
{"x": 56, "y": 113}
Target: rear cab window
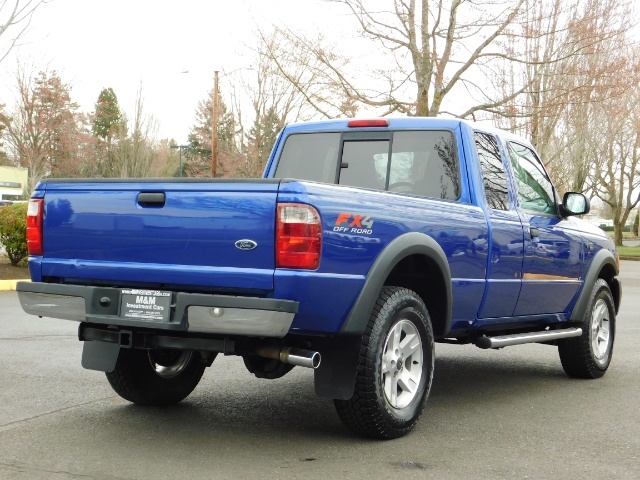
{"x": 417, "y": 162}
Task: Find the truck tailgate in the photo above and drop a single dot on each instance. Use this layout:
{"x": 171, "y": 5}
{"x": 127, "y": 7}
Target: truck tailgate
{"x": 206, "y": 233}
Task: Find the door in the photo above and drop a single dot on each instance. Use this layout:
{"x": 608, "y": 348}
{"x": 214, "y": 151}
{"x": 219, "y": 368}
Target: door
{"x": 505, "y": 234}
{"x": 552, "y": 261}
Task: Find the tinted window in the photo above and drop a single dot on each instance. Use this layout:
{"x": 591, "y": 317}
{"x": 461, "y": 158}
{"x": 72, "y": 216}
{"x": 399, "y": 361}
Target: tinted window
{"x": 495, "y": 180}
{"x": 365, "y": 164}
{"x": 425, "y": 163}
{"x": 310, "y": 156}
{"x": 421, "y": 162}
{"x": 535, "y": 191}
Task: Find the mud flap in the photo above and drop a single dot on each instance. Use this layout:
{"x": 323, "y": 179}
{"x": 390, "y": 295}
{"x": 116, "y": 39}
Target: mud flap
{"x": 100, "y": 356}
{"x": 336, "y": 376}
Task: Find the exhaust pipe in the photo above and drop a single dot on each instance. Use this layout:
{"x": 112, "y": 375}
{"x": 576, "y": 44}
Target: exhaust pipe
{"x": 293, "y": 356}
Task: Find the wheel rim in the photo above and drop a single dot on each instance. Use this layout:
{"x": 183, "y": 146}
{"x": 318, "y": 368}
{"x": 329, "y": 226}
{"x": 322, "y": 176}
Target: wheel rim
{"x": 169, "y": 364}
{"x": 402, "y": 364}
{"x": 600, "y": 330}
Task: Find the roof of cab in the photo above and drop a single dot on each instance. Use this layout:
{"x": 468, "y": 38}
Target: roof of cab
{"x": 400, "y": 123}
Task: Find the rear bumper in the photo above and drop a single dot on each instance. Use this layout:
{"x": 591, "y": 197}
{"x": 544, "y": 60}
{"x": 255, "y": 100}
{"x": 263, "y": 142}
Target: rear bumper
{"x": 190, "y": 312}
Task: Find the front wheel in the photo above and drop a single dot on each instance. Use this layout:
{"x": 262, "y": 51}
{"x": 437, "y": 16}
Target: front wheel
{"x": 395, "y": 368}
{"x": 157, "y": 376}
{"x": 589, "y": 355}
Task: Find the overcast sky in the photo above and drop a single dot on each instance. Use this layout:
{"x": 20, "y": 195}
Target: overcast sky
{"x": 125, "y": 43}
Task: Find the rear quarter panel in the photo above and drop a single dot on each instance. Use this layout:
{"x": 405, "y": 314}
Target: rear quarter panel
{"x": 357, "y": 225}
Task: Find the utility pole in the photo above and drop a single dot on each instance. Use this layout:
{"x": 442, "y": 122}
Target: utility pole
{"x": 214, "y": 128}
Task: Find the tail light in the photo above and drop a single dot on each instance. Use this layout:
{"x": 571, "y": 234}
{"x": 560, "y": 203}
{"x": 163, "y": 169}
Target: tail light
{"x": 373, "y": 122}
{"x": 35, "y": 213}
{"x": 298, "y": 236}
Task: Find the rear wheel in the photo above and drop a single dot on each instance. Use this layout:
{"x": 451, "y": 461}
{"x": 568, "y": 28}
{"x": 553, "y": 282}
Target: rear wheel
{"x": 395, "y": 368}
{"x": 157, "y": 376}
{"x": 589, "y": 355}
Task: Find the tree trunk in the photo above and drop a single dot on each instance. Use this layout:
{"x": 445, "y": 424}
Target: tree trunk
{"x": 618, "y": 226}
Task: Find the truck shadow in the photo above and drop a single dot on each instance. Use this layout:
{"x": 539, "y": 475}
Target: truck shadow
{"x": 287, "y": 408}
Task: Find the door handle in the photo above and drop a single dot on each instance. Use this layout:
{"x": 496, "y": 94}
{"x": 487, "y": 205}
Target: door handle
{"x": 535, "y": 233}
{"x": 151, "y": 199}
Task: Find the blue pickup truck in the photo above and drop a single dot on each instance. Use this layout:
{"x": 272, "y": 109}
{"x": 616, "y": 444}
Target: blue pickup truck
{"x": 366, "y": 242}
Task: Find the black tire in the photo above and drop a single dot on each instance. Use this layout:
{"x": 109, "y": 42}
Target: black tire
{"x": 370, "y": 411}
{"x": 156, "y": 377}
{"x": 589, "y": 355}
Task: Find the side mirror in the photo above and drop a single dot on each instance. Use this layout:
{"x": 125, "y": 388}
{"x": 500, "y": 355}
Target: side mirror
{"x": 574, "y": 203}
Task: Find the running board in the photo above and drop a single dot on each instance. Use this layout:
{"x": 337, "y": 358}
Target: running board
{"x": 529, "y": 337}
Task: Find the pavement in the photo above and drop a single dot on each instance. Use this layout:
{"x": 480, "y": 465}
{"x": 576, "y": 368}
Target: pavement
{"x": 506, "y": 414}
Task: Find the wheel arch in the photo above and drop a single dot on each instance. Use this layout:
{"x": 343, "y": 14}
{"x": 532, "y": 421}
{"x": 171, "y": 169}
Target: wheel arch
{"x": 403, "y": 263}
{"x": 604, "y": 266}
{"x": 414, "y": 261}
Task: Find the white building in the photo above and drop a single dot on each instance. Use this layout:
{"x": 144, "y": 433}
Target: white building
{"x": 13, "y": 182}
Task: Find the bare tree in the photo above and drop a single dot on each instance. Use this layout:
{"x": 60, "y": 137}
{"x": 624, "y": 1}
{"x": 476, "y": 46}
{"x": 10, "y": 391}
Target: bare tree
{"x": 134, "y": 155}
{"x": 41, "y": 130}
{"x": 614, "y": 148}
{"x": 274, "y": 102}
{"x": 425, "y": 50}
{"x": 310, "y": 70}
{"x": 15, "y": 18}
{"x": 570, "y": 53}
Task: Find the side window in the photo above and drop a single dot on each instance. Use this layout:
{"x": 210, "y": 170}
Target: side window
{"x": 495, "y": 179}
{"x": 425, "y": 163}
{"x": 309, "y": 156}
{"x": 365, "y": 164}
{"x": 535, "y": 191}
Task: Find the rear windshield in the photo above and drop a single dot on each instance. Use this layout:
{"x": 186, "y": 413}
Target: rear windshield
{"x": 421, "y": 162}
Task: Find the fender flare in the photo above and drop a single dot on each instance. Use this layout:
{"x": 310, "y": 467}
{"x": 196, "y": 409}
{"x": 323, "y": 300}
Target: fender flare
{"x": 337, "y": 373}
{"x": 603, "y": 258}
{"x": 413, "y": 243}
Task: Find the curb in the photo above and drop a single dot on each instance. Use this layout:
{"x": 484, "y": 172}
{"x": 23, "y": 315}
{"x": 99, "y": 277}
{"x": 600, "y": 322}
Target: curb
{"x": 10, "y": 285}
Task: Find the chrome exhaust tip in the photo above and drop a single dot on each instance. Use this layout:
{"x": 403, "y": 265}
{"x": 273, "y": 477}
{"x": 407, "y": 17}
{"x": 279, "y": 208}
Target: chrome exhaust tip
{"x": 292, "y": 356}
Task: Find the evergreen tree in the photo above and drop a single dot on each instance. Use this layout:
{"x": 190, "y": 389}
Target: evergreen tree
{"x": 108, "y": 119}
{"x": 262, "y": 137}
{"x": 197, "y": 158}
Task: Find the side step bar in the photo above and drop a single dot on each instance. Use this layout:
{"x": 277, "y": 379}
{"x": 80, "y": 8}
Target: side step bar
{"x": 529, "y": 337}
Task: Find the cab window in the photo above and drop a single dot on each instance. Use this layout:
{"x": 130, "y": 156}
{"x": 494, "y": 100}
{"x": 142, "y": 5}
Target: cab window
{"x": 310, "y": 156}
{"x": 493, "y": 174}
{"x": 535, "y": 191}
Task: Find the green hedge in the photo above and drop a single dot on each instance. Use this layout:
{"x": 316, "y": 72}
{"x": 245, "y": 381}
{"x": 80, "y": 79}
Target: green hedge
{"x": 611, "y": 229}
{"x": 13, "y": 231}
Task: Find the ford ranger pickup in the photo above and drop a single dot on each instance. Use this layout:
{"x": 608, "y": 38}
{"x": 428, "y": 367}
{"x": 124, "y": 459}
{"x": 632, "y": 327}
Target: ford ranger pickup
{"x": 365, "y": 244}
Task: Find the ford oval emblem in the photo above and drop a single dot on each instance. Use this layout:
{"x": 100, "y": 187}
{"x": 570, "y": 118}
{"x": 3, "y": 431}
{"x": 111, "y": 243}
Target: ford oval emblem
{"x": 246, "y": 245}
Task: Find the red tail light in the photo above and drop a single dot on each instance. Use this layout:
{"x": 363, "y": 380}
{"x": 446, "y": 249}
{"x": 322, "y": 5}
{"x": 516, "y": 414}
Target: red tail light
{"x": 35, "y": 213}
{"x": 298, "y": 236}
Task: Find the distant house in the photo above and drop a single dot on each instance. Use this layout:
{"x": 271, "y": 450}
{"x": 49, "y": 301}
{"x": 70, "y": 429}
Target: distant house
{"x": 13, "y": 181}
{"x": 598, "y": 221}
{"x": 605, "y": 222}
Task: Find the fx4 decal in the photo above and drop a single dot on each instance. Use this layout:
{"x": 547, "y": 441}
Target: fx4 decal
{"x": 352, "y": 223}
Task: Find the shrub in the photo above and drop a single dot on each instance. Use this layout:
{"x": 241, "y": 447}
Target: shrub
{"x": 13, "y": 231}
{"x": 636, "y": 223}
{"x": 626, "y": 228}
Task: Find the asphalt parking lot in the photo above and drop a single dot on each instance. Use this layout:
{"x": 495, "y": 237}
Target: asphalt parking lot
{"x": 492, "y": 414}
